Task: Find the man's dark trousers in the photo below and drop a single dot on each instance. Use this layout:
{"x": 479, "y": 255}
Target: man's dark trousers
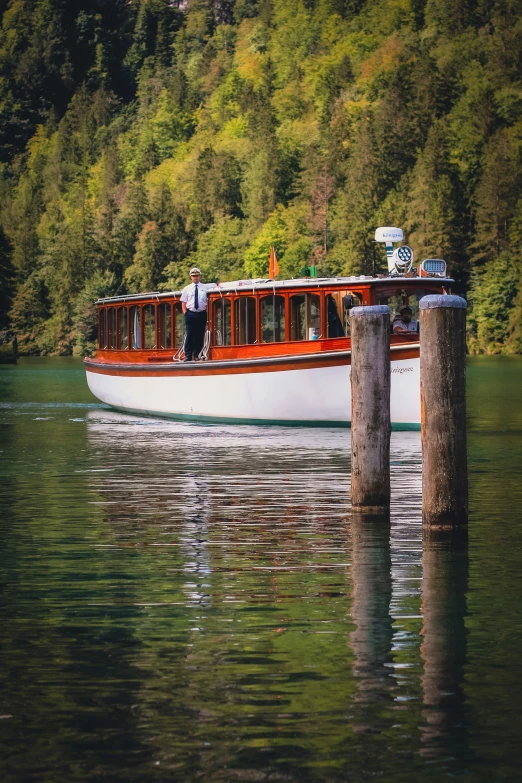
{"x": 195, "y": 324}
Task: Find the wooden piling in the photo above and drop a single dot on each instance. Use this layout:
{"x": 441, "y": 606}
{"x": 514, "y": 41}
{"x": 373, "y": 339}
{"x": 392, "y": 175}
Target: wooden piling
{"x": 371, "y": 427}
{"x": 443, "y": 411}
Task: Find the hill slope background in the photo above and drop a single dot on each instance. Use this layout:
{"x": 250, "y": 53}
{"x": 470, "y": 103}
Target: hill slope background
{"x": 141, "y": 137}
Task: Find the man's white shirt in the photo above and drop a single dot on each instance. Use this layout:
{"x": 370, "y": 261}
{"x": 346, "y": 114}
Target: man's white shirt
{"x": 187, "y": 296}
{"x": 404, "y": 327}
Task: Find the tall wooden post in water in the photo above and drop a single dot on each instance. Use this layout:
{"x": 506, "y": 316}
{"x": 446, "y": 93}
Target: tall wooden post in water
{"x": 371, "y": 427}
{"x": 443, "y": 411}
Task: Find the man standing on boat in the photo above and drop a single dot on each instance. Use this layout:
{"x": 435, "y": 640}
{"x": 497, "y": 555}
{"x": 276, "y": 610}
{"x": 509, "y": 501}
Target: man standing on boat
{"x": 194, "y": 305}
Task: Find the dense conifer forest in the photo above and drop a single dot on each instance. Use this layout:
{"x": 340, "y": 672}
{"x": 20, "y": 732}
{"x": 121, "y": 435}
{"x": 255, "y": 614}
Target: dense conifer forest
{"x": 141, "y": 137}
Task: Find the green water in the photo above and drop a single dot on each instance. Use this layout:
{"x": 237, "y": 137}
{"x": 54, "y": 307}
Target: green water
{"x": 181, "y": 602}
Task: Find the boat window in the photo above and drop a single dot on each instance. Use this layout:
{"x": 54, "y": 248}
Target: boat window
{"x": 102, "y": 328}
{"x": 393, "y": 302}
{"x": 164, "y": 325}
{"x": 350, "y": 299}
{"x": 179, "y": 325}
{"x": 305, "y": 317}
{"x": 338, "y": 306}
{"x": 245, "y": 320}
{"x": 123, "y": 328}
{"x": 401, "y": 297}
{"x": 149, "y": 326}
{"x": 135, "y": 327}
{"x": 413, "y": 301}
{"x": 221, "y": 322}
{"x": 273, "y": 319}
{"x": 111, "y": 327}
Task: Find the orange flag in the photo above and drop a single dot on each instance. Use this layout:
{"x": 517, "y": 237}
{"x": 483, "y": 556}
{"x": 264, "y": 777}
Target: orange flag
{"x": 273, "y": 266}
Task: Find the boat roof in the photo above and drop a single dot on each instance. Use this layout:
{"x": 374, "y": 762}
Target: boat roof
{"x": 261, "y": 283}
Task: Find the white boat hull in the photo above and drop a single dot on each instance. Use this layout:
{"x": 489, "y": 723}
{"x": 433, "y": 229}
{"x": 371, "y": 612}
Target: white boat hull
{"x": 298, "y": 396}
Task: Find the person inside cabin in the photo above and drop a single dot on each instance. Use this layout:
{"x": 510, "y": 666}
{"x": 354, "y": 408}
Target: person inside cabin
{"x": 403, "y": 321}
{"x": 194, "y": 306}
{"x": 335, "y": 325}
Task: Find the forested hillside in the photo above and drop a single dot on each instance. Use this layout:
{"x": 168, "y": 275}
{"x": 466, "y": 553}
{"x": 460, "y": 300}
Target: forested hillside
{"x": 141, "y": 137}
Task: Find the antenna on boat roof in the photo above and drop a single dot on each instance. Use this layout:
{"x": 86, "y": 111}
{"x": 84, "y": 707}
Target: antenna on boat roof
{"x": 401, "y": 260}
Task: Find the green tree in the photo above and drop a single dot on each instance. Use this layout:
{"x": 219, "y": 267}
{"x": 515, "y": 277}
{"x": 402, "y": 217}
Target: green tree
{"x": 496, "y": 195}
{"x": 132, "y": 214}
{"x": 287, "y": 230}
{"x": 493, "y": 292}
{"x": 6, "y": 280}
{"x": 161, "y": 243}
{"x": 219, "y": 255}
{"x": 320, "y": 218}
{"x": 356, "y": 204}
{"x": 144, "y": 272}
{"x": 29, "y": 312}
{"x": 434, "y": 208}
{"x": 216, "y": 187}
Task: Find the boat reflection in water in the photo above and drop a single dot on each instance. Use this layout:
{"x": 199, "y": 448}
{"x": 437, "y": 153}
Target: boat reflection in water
{"x": 270, "y": 616}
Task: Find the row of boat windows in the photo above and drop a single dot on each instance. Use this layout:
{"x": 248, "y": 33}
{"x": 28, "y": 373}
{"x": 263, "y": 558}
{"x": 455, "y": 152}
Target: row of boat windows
{"x": 161, "y": 326}
{"x": 305, "y": 319}
{"x": 121, "y": 327}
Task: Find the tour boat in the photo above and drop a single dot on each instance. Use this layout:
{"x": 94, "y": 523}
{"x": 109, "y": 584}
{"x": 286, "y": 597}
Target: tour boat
{"x": 276, "y": 351}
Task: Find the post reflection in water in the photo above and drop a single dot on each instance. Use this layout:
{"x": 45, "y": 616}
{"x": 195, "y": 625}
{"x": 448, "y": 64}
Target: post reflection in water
{"x": 372, "y": 590}
{"x": 444, "y": 588}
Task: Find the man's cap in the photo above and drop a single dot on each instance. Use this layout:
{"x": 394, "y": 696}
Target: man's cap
{"x": 195, "y": 271}
{"x": 403, "y": 308}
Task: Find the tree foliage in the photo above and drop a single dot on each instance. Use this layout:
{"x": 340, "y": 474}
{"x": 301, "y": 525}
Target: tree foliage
{"x": 140, "y": 138}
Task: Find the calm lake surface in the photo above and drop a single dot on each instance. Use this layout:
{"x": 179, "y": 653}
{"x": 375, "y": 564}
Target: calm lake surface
{"x": 196, "y": 603}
